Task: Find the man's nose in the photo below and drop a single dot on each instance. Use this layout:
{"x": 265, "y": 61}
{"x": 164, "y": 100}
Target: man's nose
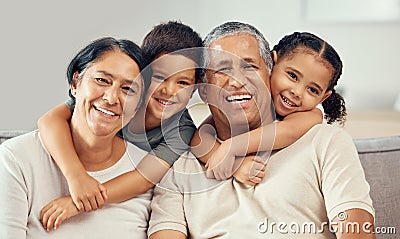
{"x": 236, "y": 79}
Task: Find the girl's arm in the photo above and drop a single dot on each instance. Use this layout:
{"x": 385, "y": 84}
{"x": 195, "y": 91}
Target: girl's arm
{"x": 272, "y": 136}
{"x": 87, "y": 193}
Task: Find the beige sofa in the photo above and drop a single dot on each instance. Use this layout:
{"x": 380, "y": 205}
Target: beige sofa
{"x": 380, "y": 158}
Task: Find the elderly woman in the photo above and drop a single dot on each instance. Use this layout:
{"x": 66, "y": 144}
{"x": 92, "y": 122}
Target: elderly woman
{"x": 107, "y": 87}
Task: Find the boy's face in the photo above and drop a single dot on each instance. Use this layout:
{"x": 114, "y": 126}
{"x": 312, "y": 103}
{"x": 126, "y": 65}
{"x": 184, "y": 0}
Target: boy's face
{"x": 171, "y": 87}
{"x": 299, "y": 82}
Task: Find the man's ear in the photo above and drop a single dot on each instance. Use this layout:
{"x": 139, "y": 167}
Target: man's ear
{"x": 274, "y": 56}
{"x": 326, "y": 95}
{"x": 203, "y": 91}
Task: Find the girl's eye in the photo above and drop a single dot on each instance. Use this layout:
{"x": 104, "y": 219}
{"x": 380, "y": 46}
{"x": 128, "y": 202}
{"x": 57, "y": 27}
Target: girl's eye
{"x": 313, "y": 90}
{"x": 292, "y": 75}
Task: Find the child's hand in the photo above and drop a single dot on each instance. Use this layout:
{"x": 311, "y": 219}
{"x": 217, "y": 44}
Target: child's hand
{"x": 220, "y": 164}
{"x": 87, "y": 193}
{"x": 251, "y": 171}
{"x": 54, "y": 213}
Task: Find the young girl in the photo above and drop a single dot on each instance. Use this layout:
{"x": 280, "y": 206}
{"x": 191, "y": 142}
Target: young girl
{"x": 162, "y": 126}
{"x": 306, "y": 70}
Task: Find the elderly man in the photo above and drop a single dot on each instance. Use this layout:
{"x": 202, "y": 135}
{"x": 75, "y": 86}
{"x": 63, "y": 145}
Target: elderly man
{"x": 104, "y": 77}
{"x": 316, "y": 181}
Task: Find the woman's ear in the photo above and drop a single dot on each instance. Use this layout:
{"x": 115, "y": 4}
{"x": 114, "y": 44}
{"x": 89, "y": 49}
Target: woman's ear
{"x": 75, "y": 79}
{"x": 274, "y": 56}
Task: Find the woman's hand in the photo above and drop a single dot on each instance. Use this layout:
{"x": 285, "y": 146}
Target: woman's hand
{"x": 86, "y": 192}
{"x": 251, "y": 171}
{"x": 57, "y": 211}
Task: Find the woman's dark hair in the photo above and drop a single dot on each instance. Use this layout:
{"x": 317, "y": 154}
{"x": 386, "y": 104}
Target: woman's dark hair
{"x": 96, "y": 49}
{"x": 334, "y": 105}
{"x": 173, "y": 37}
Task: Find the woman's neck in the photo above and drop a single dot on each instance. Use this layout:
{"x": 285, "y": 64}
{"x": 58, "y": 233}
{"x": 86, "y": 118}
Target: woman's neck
{"x": 96, "y": 152}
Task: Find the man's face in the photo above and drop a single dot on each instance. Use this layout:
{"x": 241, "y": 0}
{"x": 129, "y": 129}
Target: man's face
{"x": 237, "y": 83}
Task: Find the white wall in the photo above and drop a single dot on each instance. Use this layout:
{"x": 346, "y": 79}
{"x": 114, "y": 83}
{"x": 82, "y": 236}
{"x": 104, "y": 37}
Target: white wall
{"x": 38, "y": 39}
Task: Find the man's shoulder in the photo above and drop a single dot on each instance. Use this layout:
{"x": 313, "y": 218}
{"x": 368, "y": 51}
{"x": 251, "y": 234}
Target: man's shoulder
{"x": 326, "y": 131}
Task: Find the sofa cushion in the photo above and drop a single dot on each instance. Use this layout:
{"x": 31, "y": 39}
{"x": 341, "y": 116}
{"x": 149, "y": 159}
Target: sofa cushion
{"x": 380, "y": 158}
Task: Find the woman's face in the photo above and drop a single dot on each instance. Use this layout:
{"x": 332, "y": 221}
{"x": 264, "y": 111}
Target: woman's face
{"x": 171, "y": 86}
{"x": 107, "y": 93}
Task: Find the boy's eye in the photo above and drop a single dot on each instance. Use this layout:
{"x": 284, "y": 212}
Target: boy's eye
{"x": 182, "y": 82}
{"x": 158, "y": 77}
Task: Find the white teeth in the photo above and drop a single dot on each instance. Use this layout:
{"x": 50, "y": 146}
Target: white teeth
{"x": 105, "y": 111}
{"x": 243, "y": 98}
{"x": 164, "y": 102}
{"x": 287, "y": 101}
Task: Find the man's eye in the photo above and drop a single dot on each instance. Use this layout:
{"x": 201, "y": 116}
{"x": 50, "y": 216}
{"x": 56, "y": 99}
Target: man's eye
{"x": 250, "y": 67}
{"x": 223, "y": 70}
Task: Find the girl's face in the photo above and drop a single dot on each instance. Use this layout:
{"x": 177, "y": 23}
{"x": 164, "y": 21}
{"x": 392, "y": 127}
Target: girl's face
{"x": 299, "y": 82}
{"x": 171, "y": 86}
{"x": 107, "y": 93}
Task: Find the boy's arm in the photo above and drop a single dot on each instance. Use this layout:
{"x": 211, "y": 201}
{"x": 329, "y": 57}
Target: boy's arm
{"x": 87, "y": 193}
{"x": 204, "y": 143}
{"x": 149, "y": 172}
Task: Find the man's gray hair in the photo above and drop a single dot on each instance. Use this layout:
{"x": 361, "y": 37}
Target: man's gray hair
{"x": 236, "y": 28}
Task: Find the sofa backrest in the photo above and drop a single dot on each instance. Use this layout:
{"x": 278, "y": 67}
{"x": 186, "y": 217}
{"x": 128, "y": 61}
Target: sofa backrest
{"x": 380, "y": 158}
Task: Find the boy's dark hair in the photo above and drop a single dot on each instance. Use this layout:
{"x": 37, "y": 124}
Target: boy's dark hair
{"x": 172, "y": 37}
{"x": 334, "y": 105}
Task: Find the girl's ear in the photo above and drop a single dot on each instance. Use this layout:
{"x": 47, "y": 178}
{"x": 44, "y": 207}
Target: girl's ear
{"x": 274, "y": 56}
{"x": 326, "y": 95}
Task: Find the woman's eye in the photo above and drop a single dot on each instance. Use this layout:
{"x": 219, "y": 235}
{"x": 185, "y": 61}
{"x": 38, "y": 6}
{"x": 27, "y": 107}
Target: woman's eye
{"x": 129, "y": 90}
{"x": 101, "y": 81}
